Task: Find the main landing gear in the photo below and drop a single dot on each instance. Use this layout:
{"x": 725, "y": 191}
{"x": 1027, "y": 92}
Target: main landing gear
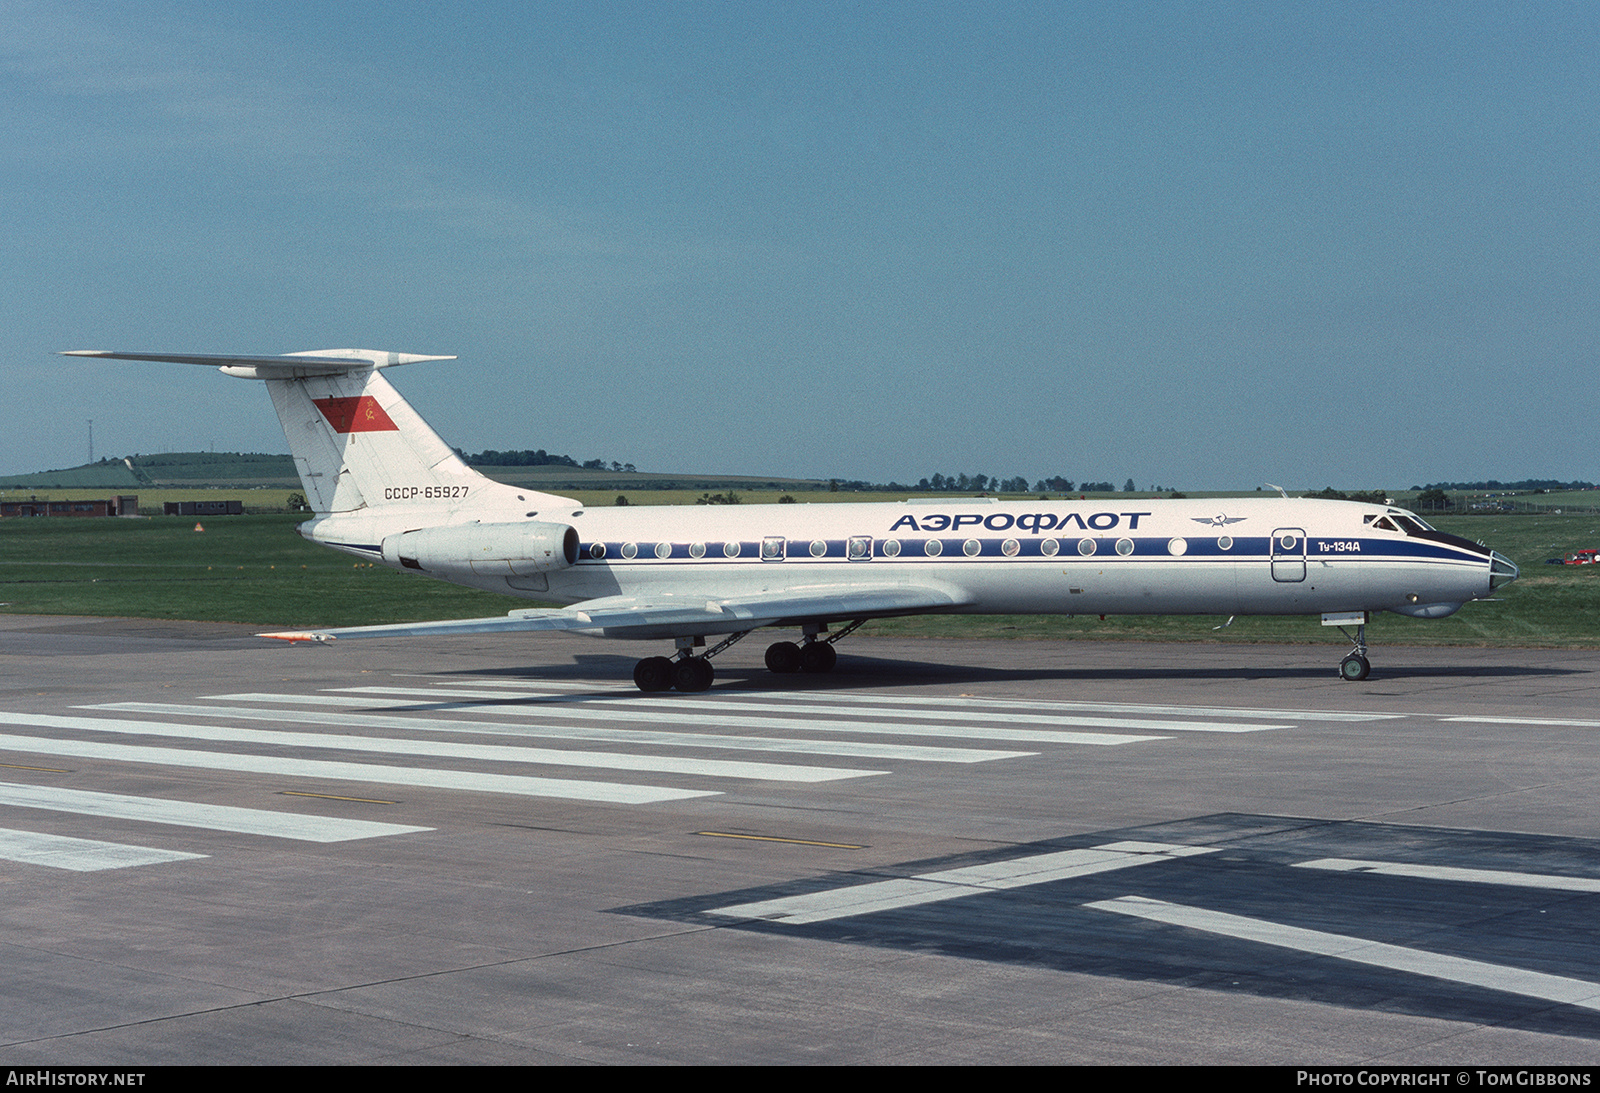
{"x": 815, "y": 654}
{"x": 784, "y": 657}
{"x": 688, "y": 672}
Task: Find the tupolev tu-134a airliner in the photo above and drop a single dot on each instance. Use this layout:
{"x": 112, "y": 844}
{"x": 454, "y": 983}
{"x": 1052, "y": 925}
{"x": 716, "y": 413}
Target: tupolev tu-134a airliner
{"x": 383, "y": 486}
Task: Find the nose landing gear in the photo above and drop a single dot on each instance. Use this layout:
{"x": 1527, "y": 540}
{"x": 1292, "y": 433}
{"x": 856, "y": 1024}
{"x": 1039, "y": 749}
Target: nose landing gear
{"x": 1355, "y": 667}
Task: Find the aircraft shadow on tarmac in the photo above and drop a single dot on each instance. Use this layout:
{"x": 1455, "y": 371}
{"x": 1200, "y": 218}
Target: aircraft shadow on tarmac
{"x": 861, "y": 671}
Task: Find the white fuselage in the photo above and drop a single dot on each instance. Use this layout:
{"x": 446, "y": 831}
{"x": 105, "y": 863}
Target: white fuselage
{"x": 1250, "y": 556}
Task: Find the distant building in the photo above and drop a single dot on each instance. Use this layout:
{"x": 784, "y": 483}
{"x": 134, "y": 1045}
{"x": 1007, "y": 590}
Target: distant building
{"x": 204, "y": 508}
{"x": 111, "y": 506}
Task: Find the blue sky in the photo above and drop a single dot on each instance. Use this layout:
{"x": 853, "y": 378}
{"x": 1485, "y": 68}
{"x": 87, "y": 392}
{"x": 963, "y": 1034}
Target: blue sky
{"x": 1204, "y": 245}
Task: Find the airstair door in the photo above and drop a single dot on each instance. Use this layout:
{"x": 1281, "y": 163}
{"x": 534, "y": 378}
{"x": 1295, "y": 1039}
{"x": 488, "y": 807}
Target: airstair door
{"x": 1288, "y": 555}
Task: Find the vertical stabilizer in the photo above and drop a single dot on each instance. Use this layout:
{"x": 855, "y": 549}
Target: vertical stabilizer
{"x": 356, "y": 443}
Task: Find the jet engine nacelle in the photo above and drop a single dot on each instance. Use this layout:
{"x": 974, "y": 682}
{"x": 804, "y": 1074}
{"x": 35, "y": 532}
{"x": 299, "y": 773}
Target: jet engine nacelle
{"x": 487, "y": 550}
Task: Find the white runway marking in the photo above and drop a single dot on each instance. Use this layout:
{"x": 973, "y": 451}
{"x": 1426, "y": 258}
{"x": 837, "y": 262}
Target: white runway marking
{"x": 946, "y": 884}
{"x": 811, "y": 724}
{"x": 850, "y": 749}
{"x": 248, "y": 821}
{"x": 579, "y": 713}
{"x": 817, "y": 705}
{"x": 494, "y": 753}
{"x": 709, "y": 706}
{"x": 568, "y": 789}
{"x": 1445, "y": 872}
{"x": 1558, "y": 721}
{"x": 610, "y": 689}
{"x": 1454, "y": 969}
{"x": 80, "y": 855}
{"x": 1117, "y": 707}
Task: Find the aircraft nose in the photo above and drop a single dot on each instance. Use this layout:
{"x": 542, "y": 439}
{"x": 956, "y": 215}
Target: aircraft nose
{"x": 1502, "y": 570}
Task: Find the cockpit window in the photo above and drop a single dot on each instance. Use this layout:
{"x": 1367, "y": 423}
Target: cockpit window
{"x": 1407, "y": 522}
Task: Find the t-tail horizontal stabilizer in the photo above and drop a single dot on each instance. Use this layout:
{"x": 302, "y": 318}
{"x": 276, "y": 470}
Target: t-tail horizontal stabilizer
{"x": 315, "y": 362}
{"x": 358, "y": 446}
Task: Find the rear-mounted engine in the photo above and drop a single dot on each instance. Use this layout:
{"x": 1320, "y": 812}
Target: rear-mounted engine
{"x": 487, "y": 550}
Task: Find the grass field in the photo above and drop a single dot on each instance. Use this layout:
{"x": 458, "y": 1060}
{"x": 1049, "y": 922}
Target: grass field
{"x": 257, "y": 570}
{"x": 252, "y": 569}
{"x": 276, "y": 500}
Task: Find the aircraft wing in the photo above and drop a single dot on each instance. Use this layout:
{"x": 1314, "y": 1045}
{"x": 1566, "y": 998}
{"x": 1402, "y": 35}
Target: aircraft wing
{"x": 680, "y": 615}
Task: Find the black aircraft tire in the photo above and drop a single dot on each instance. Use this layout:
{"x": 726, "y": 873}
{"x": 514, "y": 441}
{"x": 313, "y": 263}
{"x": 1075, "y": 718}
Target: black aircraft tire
{"x": 693, "y": 674}
{"x": 1355, "y": 668}
{"x": 783, "y": 657}
{"x": 817, "y": 656}
{"x": 653, "y": 674}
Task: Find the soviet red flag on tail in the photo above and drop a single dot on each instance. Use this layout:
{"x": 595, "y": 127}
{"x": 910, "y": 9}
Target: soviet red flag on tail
{"x": 360, "y": 414}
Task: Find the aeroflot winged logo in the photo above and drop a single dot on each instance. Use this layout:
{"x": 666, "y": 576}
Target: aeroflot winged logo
{"x": 1217, "y": 521}
{"x": 360, "y": 414}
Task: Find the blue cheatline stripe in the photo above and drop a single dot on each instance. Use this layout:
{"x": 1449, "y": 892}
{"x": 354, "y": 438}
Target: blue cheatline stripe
{"x": 1145, "y": 548}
